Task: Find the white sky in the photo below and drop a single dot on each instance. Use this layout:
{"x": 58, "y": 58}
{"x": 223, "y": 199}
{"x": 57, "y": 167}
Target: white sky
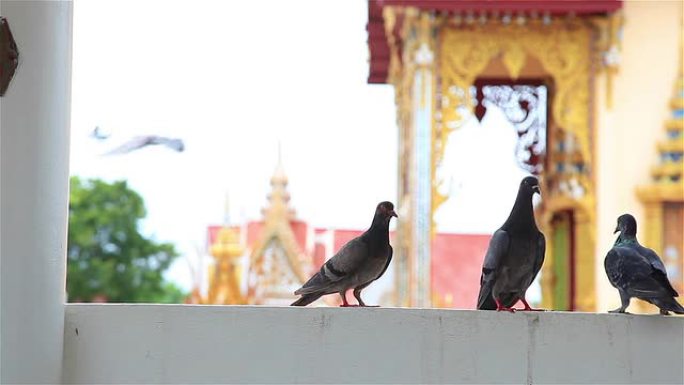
{"x": 232, "y": 78}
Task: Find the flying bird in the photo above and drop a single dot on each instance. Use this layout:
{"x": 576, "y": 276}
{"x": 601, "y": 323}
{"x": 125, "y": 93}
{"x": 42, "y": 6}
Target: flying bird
{"x": 358, "y": 263}
{"x": 98, "y": 134}
{"x": 139, "y": 142}
{"x": 515, "y": 255}
{"x": 637, "y": 271}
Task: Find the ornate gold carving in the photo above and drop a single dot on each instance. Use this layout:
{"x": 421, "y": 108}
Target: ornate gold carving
{"x": 564, "y": 50}
{"x": 514, "y": 59}
{"x": 277, "y": 231}
{"x": 226, "y": 275}
{"x": 608, "y": 48}
{"x": 275, "y": 262}
{"x": 667, "y": 184}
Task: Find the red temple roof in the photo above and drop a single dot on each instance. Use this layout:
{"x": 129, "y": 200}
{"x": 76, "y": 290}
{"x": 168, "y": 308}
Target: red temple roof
{"x": 377, "y": 39}
{"x": 455, "y": 263}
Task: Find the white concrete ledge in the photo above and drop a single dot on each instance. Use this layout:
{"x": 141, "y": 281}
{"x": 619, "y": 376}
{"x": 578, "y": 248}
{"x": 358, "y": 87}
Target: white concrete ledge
{"x": 238, "y": 344}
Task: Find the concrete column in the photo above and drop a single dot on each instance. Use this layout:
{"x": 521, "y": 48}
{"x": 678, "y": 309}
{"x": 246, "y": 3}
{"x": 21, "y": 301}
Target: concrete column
{"x": 34, "y": 154}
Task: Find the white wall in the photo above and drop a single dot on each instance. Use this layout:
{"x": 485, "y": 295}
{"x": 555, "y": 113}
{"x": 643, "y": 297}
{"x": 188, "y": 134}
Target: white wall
{"x": 228, "y": 344}
{"x": 34, "y": 188}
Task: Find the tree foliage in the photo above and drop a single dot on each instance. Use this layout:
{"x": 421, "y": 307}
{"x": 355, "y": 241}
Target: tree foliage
{"x": 108, "y": 258}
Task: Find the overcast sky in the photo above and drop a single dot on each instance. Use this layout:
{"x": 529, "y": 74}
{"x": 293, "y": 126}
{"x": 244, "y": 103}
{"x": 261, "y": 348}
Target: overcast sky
{"x": 234, "y": 78}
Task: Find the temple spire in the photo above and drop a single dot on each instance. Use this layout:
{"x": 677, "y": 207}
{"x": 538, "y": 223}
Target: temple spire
{"x": 279, "y": 197}
{"x": 277, "y": 264}
{"x": 670, "y": 167}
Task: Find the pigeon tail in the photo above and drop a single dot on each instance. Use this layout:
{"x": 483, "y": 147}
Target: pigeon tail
{"x": 669, "y": 304}
{"x": 486, "y": 301}
{"x": 306, "y": 299}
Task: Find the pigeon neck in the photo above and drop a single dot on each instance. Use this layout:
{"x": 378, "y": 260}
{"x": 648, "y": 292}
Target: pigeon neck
{"x": 521, "y": 217}
{"x": 379, "y": 227}
{"x": 624, "y": 239}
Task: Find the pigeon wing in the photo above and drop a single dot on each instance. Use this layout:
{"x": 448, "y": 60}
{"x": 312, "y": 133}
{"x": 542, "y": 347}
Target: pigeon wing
{"x": 541, "y": 253}
{"x": 613, "y": 268}
{"x": 350, "y": 257}
{"x": 632, "y": 272}
{"x": 172, "y": 143}
{"x": 498, "y": 246}
{"x": 659, "y": 271}
{"x": 661, "y": 278}
{"x": 389, "y": 259}
{"x": 652, "y": 257}
{"x": 131, "y": 145}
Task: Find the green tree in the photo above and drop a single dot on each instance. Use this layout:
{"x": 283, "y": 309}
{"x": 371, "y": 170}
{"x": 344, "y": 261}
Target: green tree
{"x": 107, "y": 257}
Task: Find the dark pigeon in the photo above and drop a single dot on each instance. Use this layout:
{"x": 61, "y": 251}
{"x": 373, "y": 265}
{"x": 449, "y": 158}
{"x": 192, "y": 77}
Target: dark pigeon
{"x": 143, "y": 141}
{"x": 515, "y": 255}
{"x": 637, "y": 271}
{"x": 358, "y": 263}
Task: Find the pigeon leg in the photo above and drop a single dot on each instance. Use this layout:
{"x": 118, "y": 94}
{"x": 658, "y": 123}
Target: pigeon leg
{"x": 500, "y": 307}
{"x": 357, "y": 294}
{"x": 527, "y": 306}
{"x": 625, "y": 302}
{"x": 343, "y": 294}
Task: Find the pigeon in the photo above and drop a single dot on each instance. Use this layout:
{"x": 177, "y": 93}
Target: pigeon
{"x": 514, "y": 256}
{"x": 637, "y": 271}
{"x": 358, "y": 263}
{"x": 98, "y": 134}
{"x": 139, "y": 142}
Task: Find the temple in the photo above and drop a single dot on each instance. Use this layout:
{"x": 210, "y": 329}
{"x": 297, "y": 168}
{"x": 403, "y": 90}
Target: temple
{"x": 559, "y": 81}
{"x": 262, "y": 262}
{"x": 609, "y": 93}
{"x": 568, "y": 78}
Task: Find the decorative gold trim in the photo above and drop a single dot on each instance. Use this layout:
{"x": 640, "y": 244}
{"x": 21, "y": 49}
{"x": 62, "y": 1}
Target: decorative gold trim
{"x": 671, "y": 146}
{"x": 674, "y": 124}
{"x": 667, "y": 170}
{"x": 564, "y": 49}
{"x": 609, "y": 47}
{"x": 277, "y": 229}
{"x": 667, "y": 185}
{"x": 660, "y": 193}
{"x": 225, "y": 275}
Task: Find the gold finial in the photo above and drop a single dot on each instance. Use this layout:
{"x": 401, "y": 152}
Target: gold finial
{"x": 279, "y": 197}
{"x": 279, "y": 177}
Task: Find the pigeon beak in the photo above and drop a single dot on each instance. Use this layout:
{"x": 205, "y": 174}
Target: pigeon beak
{"x": 537, "y": 190}
{"x": 617, "y": 229}
{"x": 393, "y": 214}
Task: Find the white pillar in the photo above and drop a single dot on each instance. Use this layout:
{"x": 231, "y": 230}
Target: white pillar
{"x": 34, "y": 154}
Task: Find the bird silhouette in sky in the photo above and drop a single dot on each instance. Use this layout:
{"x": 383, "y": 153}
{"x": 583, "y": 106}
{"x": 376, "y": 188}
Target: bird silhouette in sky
{"x": 138, "y": 142}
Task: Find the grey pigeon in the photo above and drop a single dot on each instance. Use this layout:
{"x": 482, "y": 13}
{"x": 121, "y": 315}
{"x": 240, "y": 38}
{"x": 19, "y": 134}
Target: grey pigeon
{"x": 358, "y": 263}
{"x": 143, "y": 141}
{"x": 515, "y": 255}
{"x": 637, "y": 271}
